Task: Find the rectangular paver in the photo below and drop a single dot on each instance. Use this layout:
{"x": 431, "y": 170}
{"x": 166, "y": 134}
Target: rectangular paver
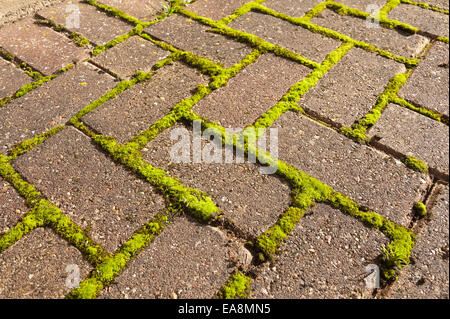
{"x": 366, "y": 176}
{"x": 41, "y": 47}
{"x": 87, "y": 20}
{"x": 251, "y": 200}
{"x": 12, "y": 206}
{"x": 139, "y": 107}
{"x": 145, "y": 10}
{"x": 428, "y": 84}
{"x": 35, "y": 267}
{"x": 293, "y": 8}
{"x": 252, "y": 92}
{"x": 410, "y": 133}
{"x": 97, "y": 194}
{"x": 11, "y": 78}
{"x": 325, "y": 257}
{"x": 215, "y": 9}
{"x": 351, "y": 88}
{"x": 295, "y": 38}
{"x": 364, "y": 5}
{"x": 52, "y": 104}
{"x": 407, "y": 45}
{"x": 127, "y": 57}
{"x": 189, "y": 35}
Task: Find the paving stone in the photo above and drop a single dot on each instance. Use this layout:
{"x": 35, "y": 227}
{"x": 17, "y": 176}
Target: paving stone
{"x": 11, "y": 79}
{"x": 407, "y": 45}
{"x": 351, "y": 88}
{"x": 145, "y": 10}
{"x": 13, "y": 10}
{"x": 12, "y": 206}
{"x": 291, "y": 7}
{"x": 41, "y": 47}
{"x": 252, "y": 200}
{"x": 89, "y": 187}
{"x": 187, "y": 260}
{"x": 439, "y": 3}
{"x": 139, "y": 107}
{"x": 52, "y": 104}
{"x": 277, "y": 31}
{"x": 368, "y": 177}
{"x": 364, "y": 5}
{"x": 410, "y": 133}
{"x": 252, "y": 92}
{"x": 424, "y": 19}
{"x": 215, "y": 9}
{"x": 428, "y": 276}
{"x": 93, "y": 24}
{"x": 130, "y": 56}
{"x": 325, "y": 257}
{"x": 35, "y": 267}
{"x": 188, "y": 35}
{"x": 428, "y": 84}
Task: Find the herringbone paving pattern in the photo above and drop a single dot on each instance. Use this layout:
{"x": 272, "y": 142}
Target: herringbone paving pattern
{"x": 92, "y": 206}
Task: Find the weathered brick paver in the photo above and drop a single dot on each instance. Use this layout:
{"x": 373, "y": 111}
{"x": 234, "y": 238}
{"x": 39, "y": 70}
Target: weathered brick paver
{"x": 93, "y": 24}
{"x": 100, "y": 169}
{"x": 351, "y": 88}
{"x": 59, "y": 100}
{"x": 39, "y": 46}
{"x": 215, "y": 9}
{"x": 407, "y": 45}
{"x": 12, "y": 206}
{"x": 367, "y": 176}
{"x": 97, "y": 194}
{"x": 310, "y": 45}
{"x": 251, "y": 200}
{"x": 187, "y": 261}
{"x": 130, "y": 56}
{"x": 35, "y": 267}
{"x": 138, "y": 108}
{"x": 326, "y": 257}
{"x": 186, "y": 34}
{"x": 405, "y": 131}
{"x": 11, "y": 79}
{"x": 252, "y": 92}
{"x": 426, "y": 20}
{"x": 428, "y": 85}
{"x": 427, "y": 277}
{"x": 145, "y": 10}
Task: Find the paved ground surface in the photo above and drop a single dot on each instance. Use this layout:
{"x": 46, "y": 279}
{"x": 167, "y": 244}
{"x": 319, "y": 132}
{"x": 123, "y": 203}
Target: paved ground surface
{"x": 95, "y": 96}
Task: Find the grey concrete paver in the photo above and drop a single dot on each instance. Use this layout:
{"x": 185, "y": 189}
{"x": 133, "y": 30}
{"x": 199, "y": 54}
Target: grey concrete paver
{"x": 292, "y": 8}
{"x": 145, "y": 10}
{"x": 215, "y": 9}
{"x": 12, "y": 206}
{"x": 11, "y": 79}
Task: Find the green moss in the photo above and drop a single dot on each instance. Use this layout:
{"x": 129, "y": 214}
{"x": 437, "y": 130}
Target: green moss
{"x": 425, "y": 5}
{"x": 421, "y": 110}
{"x": 420, "y": 209}
{"x": 115, "y": 12}
{"x": 416, "y": 164}
{"x": 237, "y": 287}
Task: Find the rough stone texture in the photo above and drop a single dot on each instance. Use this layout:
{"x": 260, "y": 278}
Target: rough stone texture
{"x": 139, "y": 107}
{"x": 252, "y": 92}
{"x": 12, "y": 10}
{"x": 410, "y": 133}
{"x": 94, "y": 24}
{"x": 351, "y": 88}
{"x": 252, "y": 200}
{"x": 52, "y": 104}
{"x": 130, "y": 56}
{"x": 11, "y": 78}
{"x": 90, "y": 188}
{"x": 12, "y": 206}
{"x": 35, "y": 267}
{"x": 277, "y": 31}
{"x": 41, "y": 47}
{"x": 187, "y": 260}
{"x": 365, "y": 5}
{"x": 439, "y": 3}
{"x": 366, "y": 176}
{"x": 428, "y": 85}
{"x": 145, "y": 10}
{"x": 390, "y": 40}
{"x": 186, "y": 34}
{"x": 428, "y": 276}
{"x": 215, "y": 9}
{"x": 292, "y": 7}
{"x": 325, "y": 257}
{"x": 423, "y": 19}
